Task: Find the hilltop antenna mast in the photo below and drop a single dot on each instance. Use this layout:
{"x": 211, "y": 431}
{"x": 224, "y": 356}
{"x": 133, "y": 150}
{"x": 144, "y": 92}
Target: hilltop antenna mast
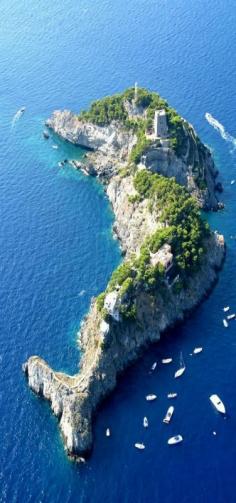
{"x": 135, "y": 92}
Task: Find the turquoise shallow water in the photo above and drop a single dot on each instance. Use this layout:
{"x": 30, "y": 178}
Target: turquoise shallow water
{"x": 57, "y": 250}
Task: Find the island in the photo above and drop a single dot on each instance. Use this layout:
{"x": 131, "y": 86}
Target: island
{"x": 158, "y": 176}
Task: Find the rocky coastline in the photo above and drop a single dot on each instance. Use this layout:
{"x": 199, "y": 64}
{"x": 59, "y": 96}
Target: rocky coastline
{"x": 110, "y": 343}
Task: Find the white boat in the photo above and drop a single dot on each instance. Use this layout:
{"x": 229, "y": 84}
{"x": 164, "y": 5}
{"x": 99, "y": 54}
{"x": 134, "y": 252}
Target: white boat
{"x": 175, "y": 440}
{"x": 145, "y": 422}
{"x": 55, "y": 147}
{"x": 168, "y": 415}
{"x": 166, "y": 360}
{"x": 226, "y": 309}
{"x": 151, "y": 397}
{"x": 231, "y": 316}
{"x": 218, "y": 404}
{"x": 153, "y": 366}
{"x": 139, "y": 446}
{"x": 172, "y": 395}
{"x": 232, "y": 182}
{"x": 182, "y": 368}
{"x": 108, "y": 432}
{"x": 225, "y": 323}
{"x": 197, "y": 350}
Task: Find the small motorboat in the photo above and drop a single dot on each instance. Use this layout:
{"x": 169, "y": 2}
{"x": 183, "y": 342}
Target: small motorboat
{"x": 151, "y": 397}
{"x": 55, "y": 147}
{"x": 218, "y": 404}
{"x": 168, "y": 415}
{"x": 166, "y": 360}
{"x": 139, "y": 446}
{"x": 226, "y": 309}
{"x": 145, "y": 422}
{"x": 182, "y": 368}
{"x": 231, "y": 316}
{"x": 225, "y": 323}
{"x": 232, "y": 182}
{"x": 153, "y": 367}
{"x": 196, "y": 351}
{"x": 172, "y": 395}
{"x": 175, "y": 440}
{"x": 108, "y": 432}
{"x": 22, "y": 110}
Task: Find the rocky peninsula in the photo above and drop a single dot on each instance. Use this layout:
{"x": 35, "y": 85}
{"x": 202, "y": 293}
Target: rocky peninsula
{"x": 157, "y": 174}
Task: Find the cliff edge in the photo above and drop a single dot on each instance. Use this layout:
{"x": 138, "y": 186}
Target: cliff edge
{"x": 157, "y": 173}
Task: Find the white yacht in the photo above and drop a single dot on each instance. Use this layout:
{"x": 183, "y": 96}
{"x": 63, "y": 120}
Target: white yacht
{"x": 182, "y": 368}
{"x": 151, "y": 397}
{"x": 172, "y": 395}
{"x": 166, "y": 360}
{"x": 145, "y": 422}
{"x": 154, "y": 365}
{"x": 168, "y": 415}
{"x": 196, "y": 351}
{"x": 108, "y": 432}
{"x": 226, "y": 309}
{"x": 231, "y": 316}
{"x": 225, "y": 323}
{"x": 218, "y": 404}
{"x": 175, "y": 440}
{"x": 139, "y": 446}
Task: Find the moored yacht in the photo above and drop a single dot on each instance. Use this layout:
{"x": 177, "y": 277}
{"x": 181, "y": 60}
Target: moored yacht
{"x": 139, "y": 446}
{"x": 168, "y": 415}
{"x": 151, "y": 397}
{"x": 172, "y": 395}
{"x": 154, "y": 365}
{"x": 196, "y": 351}
{"x": 175, "y": 440}
{"x": 145, "y": 422}
{"x": 218, "y": 404}
{"x": 166, "y": 360}
{"x": 182, "y": 368}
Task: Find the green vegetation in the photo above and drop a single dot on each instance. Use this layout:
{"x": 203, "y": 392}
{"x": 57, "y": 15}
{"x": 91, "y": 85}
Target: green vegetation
{"x": 103, "y": 111}
{"x": 100, "y": 301}
{"x": 184, "y": 229}
{"x": 140, "y": 148}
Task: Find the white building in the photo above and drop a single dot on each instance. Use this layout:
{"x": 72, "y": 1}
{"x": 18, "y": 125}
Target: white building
{"x": 160, "y": 124}
{"x": 111, "y": 304}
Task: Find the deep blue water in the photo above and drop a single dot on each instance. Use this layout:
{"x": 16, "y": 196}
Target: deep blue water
{"x": 57, "y": 250}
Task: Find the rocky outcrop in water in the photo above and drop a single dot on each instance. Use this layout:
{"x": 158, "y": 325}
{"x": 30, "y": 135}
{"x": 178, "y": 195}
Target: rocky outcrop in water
{"x": 113, "y": 144}
{"x": 109, "y": 346}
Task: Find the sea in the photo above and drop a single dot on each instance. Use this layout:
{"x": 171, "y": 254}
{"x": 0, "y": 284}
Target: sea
{"x": 57, "y": 251}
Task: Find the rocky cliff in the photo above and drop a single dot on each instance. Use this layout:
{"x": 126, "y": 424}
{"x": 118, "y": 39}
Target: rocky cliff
{"x": 113, "y": 144}
{"x": 109, "y": 340}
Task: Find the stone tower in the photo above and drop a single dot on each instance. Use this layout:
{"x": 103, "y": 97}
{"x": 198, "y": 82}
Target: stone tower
{"x": 160, "y": 124}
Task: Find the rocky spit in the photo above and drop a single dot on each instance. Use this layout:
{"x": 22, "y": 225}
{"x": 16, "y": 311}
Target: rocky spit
{"x": 74, "y": 399}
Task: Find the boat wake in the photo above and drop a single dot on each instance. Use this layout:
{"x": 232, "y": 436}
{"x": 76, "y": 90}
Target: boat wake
{"x": 221, "y": 129}
{"x": 17, "y": 116}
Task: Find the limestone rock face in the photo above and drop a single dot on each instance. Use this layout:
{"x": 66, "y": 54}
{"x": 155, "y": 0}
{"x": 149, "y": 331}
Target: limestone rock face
{"x": 109, "y": 139}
